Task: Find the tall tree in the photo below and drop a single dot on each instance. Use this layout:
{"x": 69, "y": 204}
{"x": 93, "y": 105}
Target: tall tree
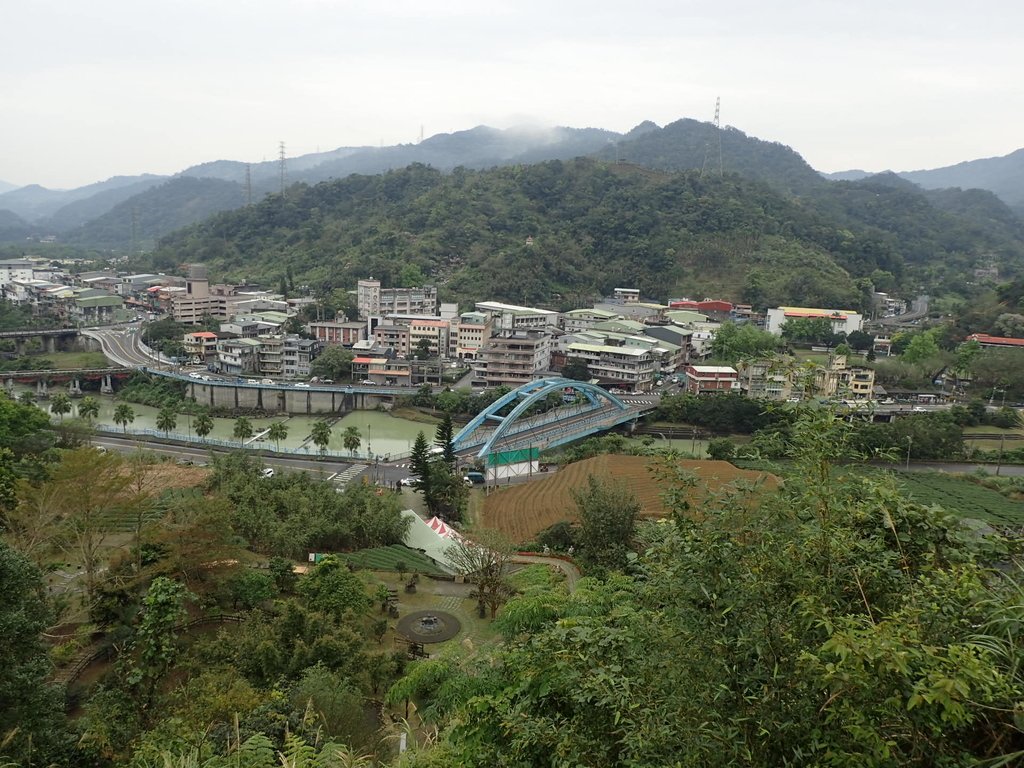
{"x": 89, "y": 408}
{"x": 203, "y": 425}
{"x": 333, "y": 363}
{"x": 608, "y": 513}
{"x": 31, "y": 708}
{"x": 166, "y": 420}
{"x": 351, "y": 439}
{"x": 320, "y": 434}
{"x": 243, "y": 429}
{"x": 277, "y": 432}
{"x": 155, "y": 643}
{"x": 443, "y": 439}
{"x": 60, "y": 404}
{"x": 124, "y": 415}
{"x": 419, "y": 463}
{"x": 483, "y": 562}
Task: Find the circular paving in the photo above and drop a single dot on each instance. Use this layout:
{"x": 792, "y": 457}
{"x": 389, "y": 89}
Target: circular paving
{"x": 429, "y": 626}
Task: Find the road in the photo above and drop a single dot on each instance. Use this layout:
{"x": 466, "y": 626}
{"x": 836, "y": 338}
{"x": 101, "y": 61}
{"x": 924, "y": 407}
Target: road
{"x": 123, "y": 346}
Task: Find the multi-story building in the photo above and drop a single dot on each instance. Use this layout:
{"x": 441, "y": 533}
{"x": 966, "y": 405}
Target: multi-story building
{"x": 630, "y": 368}
{"x": 584, "y": 319}
{"x": 195, "y": 303}
{"x": 299, "y": 355}
{"x": 844, "y": 382}
{"x": 509, "y": 317}
{"x": 200, "y": 346}
{"x": 384, "y": 371}
{"x": 374, "y": 301}
{"x": 15, "y": 269}
{"x": 238, "y": 356}
{"x": 998, "y": 342}
{"x": 513, "y": 358}
{"x": 271, "y": 356}
{"x": 433, "y": 332}
{"x": 767, "y": 379}
{"x": 393, "y": 337}
{"x": 337, "y": 332}
{"x": 843, "y": 320}
{"x": 711, "y": 379}
{"x": 469, "y": 332}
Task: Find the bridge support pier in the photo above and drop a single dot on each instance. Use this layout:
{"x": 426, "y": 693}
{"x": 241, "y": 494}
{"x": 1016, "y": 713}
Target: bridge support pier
{"x": 9, "y": 386}
{"x": 107, "y": 387}
{"x": 51, "y": 344}
{"x": 75, "y": 388}
{"x": 42, "y": 391}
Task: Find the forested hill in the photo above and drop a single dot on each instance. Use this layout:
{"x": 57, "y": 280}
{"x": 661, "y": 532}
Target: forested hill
{"x": 593, "y": 226}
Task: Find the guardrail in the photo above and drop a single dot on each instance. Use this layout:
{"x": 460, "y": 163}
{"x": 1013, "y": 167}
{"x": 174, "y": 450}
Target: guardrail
{"x": 253, "y": 445}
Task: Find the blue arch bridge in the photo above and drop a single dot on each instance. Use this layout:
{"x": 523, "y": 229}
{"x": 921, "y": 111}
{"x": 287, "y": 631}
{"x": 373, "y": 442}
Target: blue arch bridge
{"x": 498, "y": 431}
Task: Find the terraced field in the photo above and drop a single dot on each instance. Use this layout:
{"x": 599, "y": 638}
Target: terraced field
{"x": 962, "y": 497}
{"x": 522, "y": 511}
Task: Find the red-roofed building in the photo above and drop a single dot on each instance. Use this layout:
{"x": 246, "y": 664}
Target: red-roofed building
{"x": 996, "y": 341}
{"x": 200, "y": 346}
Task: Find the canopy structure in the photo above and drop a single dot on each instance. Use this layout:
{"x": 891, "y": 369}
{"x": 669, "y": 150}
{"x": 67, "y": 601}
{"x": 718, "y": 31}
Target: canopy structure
{"x": 432, "y": 537}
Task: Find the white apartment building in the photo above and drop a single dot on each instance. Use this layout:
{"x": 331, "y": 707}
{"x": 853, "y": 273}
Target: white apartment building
{"x": 513, "y": 358}
{"x": 843, "y": 320}
{"x": 468, "y": 334}
{"x": 577, "y": 320}
{"x": 509, "y": 317}
{"x": 374, "y": 301}
{"x": 629, "y": 368}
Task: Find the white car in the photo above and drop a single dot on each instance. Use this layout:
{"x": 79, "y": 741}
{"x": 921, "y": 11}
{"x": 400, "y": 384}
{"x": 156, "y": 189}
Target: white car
{"x": 302, "y": 384}
{"x": 368, "y": 382}
{"x": 407, "y": 481}
{"x": 195, "y": 375}
{"x": 267, "y": 472}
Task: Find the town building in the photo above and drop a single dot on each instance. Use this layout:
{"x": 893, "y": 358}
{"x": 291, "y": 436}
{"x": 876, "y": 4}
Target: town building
{"x": 238, "y": 356}
{"x": 843, "y": 320}
{"x": 432, "y": 333}
{"x": 766, "y": 379}
{"x": 584, "y": 319}
{"x": 710, "y": 379}
{"x": 468, "y": 334}
{"x": 630, "y": 368}
{"x": 334, "y": 333}
{"x": 513, "y": 358}
{"x": 841, "y": 381}
{"x": 1004, "y": 342}
{"x": 200, "y": 346}
{"x": 374, "y": 301}
{"x": 509, "y": 317}
{"x": 392, "y": 338}
{"x": 298, "y": 356}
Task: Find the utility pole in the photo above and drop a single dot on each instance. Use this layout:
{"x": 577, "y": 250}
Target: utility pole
{"x": 248, "y": 184}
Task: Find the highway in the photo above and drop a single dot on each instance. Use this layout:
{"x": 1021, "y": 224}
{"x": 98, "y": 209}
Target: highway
{"x": 123, "y": 346}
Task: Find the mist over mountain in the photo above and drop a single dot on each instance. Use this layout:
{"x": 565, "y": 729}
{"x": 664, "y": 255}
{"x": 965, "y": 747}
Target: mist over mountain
{"x": 34, "y": 202}
{"x": 852, "y": 175}
{"x": 1002, "y": 175}
{"x": 6, "y": 186}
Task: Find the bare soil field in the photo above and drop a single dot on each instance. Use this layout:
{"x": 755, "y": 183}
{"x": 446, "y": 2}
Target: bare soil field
{"x": 522, "y": 511}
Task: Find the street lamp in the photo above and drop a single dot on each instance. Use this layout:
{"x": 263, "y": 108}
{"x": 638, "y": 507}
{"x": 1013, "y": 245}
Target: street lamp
{"x": 910, "y": 441}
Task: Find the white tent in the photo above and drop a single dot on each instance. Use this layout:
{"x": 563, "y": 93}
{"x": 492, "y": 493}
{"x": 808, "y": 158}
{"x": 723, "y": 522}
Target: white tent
{"x": 432, "y": 537}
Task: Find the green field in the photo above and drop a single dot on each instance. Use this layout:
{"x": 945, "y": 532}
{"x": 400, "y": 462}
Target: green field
{"x": 962, "y": 497}
{"x": 385, "y": 559}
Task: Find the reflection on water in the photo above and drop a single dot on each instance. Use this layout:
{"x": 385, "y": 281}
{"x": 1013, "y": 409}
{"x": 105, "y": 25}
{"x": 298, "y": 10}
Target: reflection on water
{"x": 380, "y": 433}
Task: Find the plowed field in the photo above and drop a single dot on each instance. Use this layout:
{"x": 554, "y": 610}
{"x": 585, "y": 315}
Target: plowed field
{"x": 522, "y": 511}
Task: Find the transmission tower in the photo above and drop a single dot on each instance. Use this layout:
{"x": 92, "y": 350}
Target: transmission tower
{"x": 248, "y": 184}
{"x": 281, "y": 160}
{"x": 718, "y": 140}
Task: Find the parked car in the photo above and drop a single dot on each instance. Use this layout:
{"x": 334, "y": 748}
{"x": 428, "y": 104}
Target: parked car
{"x": 267, "y": 472}
{"x": 251, "y": 381}
{"x": 475, "y": 478}
{"x": 407, "y": 481}
{"x": 267, "y": 381}
{"x": 302, "y": 384}
{"x": 368, "y": 382}
{"x": 195, "y": 375}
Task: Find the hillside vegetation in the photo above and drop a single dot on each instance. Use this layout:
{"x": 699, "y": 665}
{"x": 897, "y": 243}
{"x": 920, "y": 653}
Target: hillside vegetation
{"x": 593, "y": 226}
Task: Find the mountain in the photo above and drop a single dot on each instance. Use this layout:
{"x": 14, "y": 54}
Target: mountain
{"x": 694, "y": 145}
{"x": 174, "y": 204}
{"x": 13, "y": 227}
{"x": 35, "y": 202}
{"x": 77, "y": 213}
{"x": 6, "y": 186}
{"x": 1002, "y": 175}
{"x": 854, "y": 175}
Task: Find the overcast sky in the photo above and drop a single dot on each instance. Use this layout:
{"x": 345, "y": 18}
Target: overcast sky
{"x": 94, "y": 89}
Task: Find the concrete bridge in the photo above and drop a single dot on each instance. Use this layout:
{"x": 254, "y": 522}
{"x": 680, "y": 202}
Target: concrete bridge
{"x": 53, "y": 339}
{"x": 45, "y": 379}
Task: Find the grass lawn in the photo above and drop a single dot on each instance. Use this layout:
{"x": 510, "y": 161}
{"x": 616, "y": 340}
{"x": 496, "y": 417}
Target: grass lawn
{"x": 387, "y": 559}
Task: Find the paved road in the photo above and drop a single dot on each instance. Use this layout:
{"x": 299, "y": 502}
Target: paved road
{"x": 122, "y": 346}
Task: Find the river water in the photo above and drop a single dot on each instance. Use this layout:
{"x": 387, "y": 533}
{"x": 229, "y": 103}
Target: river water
{"x": 381, "y": 433}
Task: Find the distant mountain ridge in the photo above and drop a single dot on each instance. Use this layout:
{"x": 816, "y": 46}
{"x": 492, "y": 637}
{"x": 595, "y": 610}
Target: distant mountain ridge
{"x": 91, "y": 212}
{"x": 6, "y": 186}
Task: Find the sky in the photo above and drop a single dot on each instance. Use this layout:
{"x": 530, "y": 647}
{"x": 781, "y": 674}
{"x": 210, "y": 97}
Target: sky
{"x": 90, "y": 90}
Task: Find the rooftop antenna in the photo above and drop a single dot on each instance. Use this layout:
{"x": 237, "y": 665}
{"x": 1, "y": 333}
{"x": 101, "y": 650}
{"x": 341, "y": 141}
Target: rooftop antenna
{"x": 248, "y": 184}
{"x": 718, "y": 138}
{"x": 281, "y": 161}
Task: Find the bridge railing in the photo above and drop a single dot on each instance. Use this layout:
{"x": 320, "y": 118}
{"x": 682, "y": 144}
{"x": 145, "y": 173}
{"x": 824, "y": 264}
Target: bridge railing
{"x": 261, "y": 446}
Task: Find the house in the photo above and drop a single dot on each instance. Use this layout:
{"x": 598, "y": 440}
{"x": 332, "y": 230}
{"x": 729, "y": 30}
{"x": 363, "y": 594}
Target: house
{"x": 630, "y": 368}
{"x": 374, "y": 301}
{"x": 513, "y": 358}
{"x": 238, "y": 356}
{"x": 584, "y": 319}
{"x": 200, "y": 346}
{"x": 334, "y": 333}
{"x": 710, "y": 379}
{"x": 843, "y": 320}
{"x": 468, "y": 334}
{"x": 998, "y": 342}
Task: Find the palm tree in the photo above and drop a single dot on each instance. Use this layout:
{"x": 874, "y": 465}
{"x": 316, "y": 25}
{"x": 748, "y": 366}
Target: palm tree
{"x": 89, "y": 408}
{"x": 203, "y": 425}
{"x": 243, "y": 429}
{"x": 60, "y": 404}
{"x": 351, "y": 439}
{"x": 278, "y": 431}
{"x": 166, "y": 420}
{"x": 321, "y": 435}
{"x": 124, "y": 415}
